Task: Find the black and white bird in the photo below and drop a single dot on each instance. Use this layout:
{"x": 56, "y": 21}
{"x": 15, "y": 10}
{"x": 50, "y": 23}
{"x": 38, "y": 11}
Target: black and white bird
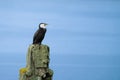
{"x": 40, "y": 34}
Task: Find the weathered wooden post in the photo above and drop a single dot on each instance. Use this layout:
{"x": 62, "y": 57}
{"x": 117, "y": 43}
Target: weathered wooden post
{"x": 37, "y": 67}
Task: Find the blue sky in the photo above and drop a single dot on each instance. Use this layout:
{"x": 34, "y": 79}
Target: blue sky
{"x": 83, "y": 35}
{"x": 75, "y": 26}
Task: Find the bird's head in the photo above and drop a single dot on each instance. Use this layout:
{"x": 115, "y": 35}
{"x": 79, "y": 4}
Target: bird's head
{"x": 43, "y": 25}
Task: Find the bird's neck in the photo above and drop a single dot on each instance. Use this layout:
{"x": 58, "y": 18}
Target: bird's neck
{"x": 42, "y": 26}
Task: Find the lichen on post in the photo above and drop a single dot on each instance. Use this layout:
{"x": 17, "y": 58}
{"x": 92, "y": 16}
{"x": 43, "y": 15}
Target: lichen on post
{"x": 37, "y": 64}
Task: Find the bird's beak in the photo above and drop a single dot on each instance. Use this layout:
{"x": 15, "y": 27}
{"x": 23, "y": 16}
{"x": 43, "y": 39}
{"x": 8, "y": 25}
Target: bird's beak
{"x": 46, "y": 24}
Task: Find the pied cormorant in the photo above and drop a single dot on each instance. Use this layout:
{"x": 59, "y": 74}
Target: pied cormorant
{"x": 39, "y": 34}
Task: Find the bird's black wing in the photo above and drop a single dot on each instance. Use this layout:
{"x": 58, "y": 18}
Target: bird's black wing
{"x": 39, "y": 35}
